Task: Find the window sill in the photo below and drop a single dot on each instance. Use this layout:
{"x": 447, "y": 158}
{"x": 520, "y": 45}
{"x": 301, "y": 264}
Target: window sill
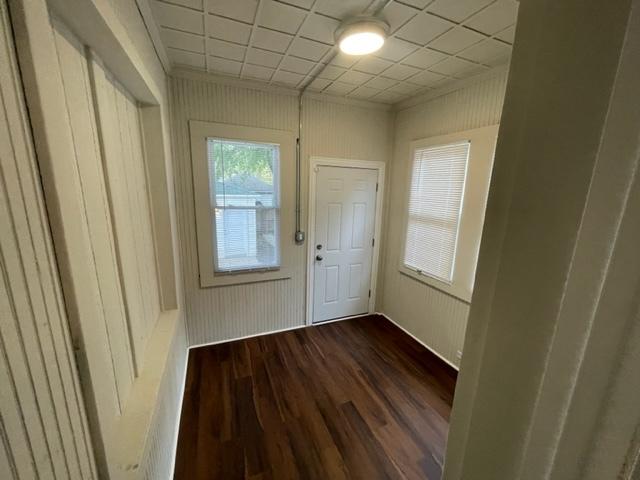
{"x": 222, "y": 279}
{"x": 449, "y": 289}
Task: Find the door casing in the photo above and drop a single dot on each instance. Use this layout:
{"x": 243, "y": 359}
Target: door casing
{"x": 316, "y": 162}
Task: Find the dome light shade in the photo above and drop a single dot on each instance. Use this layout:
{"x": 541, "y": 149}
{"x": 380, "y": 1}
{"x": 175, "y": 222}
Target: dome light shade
{"x": 362, "y": 36}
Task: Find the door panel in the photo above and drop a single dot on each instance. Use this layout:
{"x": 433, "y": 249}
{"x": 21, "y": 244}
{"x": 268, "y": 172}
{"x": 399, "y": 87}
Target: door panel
{"x": 344, "y": 229}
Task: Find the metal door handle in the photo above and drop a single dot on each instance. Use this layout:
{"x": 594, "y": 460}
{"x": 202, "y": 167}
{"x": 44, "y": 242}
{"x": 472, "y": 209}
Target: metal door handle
{"x": 319, "y": 258}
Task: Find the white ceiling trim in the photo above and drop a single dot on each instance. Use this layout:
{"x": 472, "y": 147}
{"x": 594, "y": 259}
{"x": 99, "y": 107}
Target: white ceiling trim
{"x": 154, "y": 33}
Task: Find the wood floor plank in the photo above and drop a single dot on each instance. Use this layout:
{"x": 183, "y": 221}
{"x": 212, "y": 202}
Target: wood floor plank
{"x": 356, "y": 399}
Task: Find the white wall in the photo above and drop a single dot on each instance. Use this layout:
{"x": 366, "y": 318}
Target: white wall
{"x": 90, "y": 133}
{"x": 437, "y": 319}
{"x": 330, "y": 129}
{"x": 43, "y": 427}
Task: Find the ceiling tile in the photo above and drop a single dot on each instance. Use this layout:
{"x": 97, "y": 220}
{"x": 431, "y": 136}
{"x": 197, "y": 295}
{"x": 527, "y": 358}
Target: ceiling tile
{"x": 396, "y": 14}
{"x": 319, "y": 28}
{"x": 372, "y": 65}
{"x": 342, "y": 9}
{"x": 281, "y": 17}
{"x": 456, "y": 39}
{"x": 189, "y": 59}
{"x": 331, "y": 73}
{"x": 193, "y": 4}
{"x": 219, "y": 48}
{"x": 364, "y": 92}
{"x": 424, "y": 58}
{"x": 406, "y": 88}
{"x": 395, "y": 49}
{"x": 287, "y": 78}
{"x": 423, "y": 28}
{"x": 495, "y": 17}
{"x": 263, "y": 58}
{"x": 339, "y": 88}
{"x": 221, "y": 65}
{"x": 179, "y": 18}
{"x": 308, "y": 49}
{"x": 182, "y": 40}
{"x": 299, "y": 3}
{"x": 457, "y": 10}
{"x": 381, "y": 83}
{"x": 355, "y": 78}
{"x": 257, "y": 72}
{"x": 486, "y": 52}
{"x": 400, "y": 72}
{"x": 417, "y": 3}
{"x": 343, "y": 60}
{"x": 296, "y": 65}
{"x": 426, "y": 78}
{"x": 229, "y": 30}
{"x": 508, "y": 34}
{"x": 454, "y": 67}
{"x": 319, "y": 84}
{"x": 270, "y": 40}
{"x": 243, "y": 10}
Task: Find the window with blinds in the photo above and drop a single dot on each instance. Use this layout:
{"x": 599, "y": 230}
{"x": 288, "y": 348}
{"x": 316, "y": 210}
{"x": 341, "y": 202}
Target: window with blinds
{"x": 435, "y": 206}
{"x": 245, "y": 204}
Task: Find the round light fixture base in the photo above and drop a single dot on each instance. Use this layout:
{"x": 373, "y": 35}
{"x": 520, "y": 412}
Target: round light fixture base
{"x": 361, "y": 35}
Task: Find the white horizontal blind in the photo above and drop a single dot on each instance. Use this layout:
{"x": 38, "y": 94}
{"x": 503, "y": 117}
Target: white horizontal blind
{"x": 435, "y": 204}
{"x": 245, "y": 204}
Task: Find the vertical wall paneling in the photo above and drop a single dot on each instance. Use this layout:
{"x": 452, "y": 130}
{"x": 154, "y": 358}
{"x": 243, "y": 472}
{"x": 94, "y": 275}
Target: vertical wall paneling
{"x": 329, "y": 129}
{"x": 439, "y": 320}
{"x": 43, "y": 427}
{"x": 91, "y": 156}
{"x": 78, "y": 97}
{"x": 122, "y": 156}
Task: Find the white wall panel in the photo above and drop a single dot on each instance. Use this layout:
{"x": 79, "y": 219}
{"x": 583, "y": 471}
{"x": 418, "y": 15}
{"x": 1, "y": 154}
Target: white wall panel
{"x": 329, "y": 129}
{"x": 437, "y": 319}
{"x": 43, "y": 427}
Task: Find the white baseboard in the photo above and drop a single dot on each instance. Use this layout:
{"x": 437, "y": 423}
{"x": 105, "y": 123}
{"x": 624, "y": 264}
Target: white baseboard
{"x": 456, "y": 368}
{"x": 280, "y": 330}
{"x": 177, "y": 430}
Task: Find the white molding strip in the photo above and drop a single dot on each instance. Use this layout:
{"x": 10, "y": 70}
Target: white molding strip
{"x": 456, "y": 368}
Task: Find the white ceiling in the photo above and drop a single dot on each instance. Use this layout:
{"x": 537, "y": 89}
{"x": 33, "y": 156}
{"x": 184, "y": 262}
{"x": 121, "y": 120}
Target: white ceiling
{"x": 285, "y": 42}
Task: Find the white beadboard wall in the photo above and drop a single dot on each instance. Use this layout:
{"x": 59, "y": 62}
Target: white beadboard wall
{"x": 437, "y": 319}
{"x": 43, "y": 427}
{"x": 330, "y": 129}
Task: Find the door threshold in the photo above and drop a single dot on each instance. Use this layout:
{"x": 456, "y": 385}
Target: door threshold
{"x": 339, "y": 319}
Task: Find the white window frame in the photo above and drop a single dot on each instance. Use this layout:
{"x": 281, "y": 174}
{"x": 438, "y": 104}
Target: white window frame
{"x": 205, "y": 229}
{"x": 480, "y": 161}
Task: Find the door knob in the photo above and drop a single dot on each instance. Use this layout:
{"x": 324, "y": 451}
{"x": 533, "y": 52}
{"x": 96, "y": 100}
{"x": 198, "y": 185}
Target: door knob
{"x": 319, "y": 258}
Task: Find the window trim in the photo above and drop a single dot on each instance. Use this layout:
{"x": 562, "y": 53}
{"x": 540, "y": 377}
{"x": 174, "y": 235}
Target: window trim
{"x": 205, "y": 230}
{"x": 474, "y": 198}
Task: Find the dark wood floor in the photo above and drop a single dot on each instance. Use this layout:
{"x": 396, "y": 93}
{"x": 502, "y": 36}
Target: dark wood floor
{"x": 351, "y": 399}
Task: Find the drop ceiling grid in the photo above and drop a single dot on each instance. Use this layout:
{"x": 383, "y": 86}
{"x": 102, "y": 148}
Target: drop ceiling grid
{"x": 286, "y": 42}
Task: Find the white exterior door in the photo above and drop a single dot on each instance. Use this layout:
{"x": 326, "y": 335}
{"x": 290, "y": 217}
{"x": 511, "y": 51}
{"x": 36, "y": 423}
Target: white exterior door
{"x": 343, "y": 249}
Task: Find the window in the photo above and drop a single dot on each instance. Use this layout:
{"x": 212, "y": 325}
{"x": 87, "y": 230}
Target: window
{"x": 243, "y": 181}
{"x": 435, "y": 201}
{"x": 447, "y": 187}
{"x": 244, "y": 191}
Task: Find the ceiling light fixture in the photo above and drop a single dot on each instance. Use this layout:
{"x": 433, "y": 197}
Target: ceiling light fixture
{"x": 361, "y": 35}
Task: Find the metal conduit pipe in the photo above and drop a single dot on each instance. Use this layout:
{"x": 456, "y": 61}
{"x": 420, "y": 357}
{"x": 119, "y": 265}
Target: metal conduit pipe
{"x": 375, "y": 8}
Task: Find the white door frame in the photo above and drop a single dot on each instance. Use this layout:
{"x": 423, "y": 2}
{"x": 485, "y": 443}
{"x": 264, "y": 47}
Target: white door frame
{"x": 347, "y": 163}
